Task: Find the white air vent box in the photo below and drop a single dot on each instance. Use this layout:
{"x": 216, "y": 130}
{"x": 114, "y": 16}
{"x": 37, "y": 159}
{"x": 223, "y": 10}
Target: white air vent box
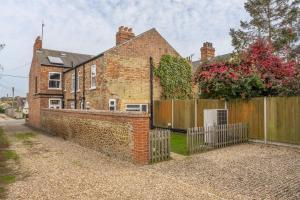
{"x": 215, "y": 117}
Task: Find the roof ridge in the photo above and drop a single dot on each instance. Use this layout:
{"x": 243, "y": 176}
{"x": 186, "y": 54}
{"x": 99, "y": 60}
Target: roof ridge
{"x": 116, "y": 46}
{"x": 67, "y": 52}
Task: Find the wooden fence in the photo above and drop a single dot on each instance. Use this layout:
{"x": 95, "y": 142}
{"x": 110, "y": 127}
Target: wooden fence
{"x": 269, "y": 119}
{"x": 159, "y": 144}
{"x": 218, "y": 136}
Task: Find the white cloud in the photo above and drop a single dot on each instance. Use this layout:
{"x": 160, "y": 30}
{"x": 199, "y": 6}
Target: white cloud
{"x": 90, "y": 26}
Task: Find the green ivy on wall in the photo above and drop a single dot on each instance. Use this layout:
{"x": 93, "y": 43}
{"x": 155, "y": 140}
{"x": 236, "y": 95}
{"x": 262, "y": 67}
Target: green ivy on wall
{"x": 175, "y": 76}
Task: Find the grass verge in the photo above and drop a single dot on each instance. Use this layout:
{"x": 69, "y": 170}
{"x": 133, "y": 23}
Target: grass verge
{"x": 178, "y": 143}
{"x": 4, "y": 143}
{"x": 7, "y": 179}
{"x": 24, "y": 136}
{"x": 6, "y": 174}
{"x": 9, "y": 155}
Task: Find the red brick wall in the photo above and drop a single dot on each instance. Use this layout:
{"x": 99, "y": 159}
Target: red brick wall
{"x": 38, "y": 87}
{"x": 138, "y": 125}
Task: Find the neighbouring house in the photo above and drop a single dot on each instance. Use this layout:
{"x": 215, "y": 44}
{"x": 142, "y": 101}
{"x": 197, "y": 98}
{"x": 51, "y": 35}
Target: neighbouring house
{"x": 25, "y": 109}
{"x": 207, "y": 54}
{"x": 20, "y": 102}
{"x": 116, "y": 79}
{"x": 46, "y": 78}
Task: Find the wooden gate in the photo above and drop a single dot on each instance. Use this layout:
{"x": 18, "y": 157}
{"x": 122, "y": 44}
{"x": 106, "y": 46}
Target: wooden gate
{"x": 159, "y": 144}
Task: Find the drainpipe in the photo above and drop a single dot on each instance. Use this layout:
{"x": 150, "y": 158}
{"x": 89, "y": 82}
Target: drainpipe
{"x": 63, "y": 90}
{"x": 75, "y": 88}
{"x": 151, "y": 93}
{"x": 83, "y": 87}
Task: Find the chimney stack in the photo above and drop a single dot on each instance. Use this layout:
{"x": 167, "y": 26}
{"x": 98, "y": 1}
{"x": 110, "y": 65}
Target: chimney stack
{"x": 207, "y": 51}
{"x": 37, "y": 44}
{"x": 124, "y": 34}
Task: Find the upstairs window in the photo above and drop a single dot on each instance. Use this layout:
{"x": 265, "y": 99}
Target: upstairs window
{"x": 93, "y": 76}
{"x": 73, "y": 83}
{"x": 54, "y": 80}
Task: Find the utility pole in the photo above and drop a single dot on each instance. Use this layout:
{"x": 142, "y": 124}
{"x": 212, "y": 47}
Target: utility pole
{"x": 13, "y": 96}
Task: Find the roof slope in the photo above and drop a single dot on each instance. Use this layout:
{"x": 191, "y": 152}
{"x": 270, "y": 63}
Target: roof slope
{"x": 66, "y": 57}
{"x": 124, "y": 43}
{"x": 220, "y": 58}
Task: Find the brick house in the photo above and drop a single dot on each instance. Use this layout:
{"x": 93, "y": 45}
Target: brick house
{"x": 116, "y": 79}
{"x": 46, "y": 79}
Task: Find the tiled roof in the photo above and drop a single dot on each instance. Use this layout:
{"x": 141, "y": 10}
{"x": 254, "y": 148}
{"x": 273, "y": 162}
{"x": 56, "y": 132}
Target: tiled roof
{"x": 220, "y": 58}
{"x": 66, "y": 57}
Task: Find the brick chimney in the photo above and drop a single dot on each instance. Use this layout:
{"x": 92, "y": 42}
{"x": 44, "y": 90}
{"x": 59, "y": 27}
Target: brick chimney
{"x": 37, "y": 44}
{"x": 207, "y": 51}
{"x": 124, "y": 34}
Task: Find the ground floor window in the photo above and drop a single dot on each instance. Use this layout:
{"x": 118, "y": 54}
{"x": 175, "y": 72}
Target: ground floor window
{"x": 137, "y": 107}
{"x": 72, "y": 105}
{"x": 112, "y": 104}
{"x": 55, "y": 103}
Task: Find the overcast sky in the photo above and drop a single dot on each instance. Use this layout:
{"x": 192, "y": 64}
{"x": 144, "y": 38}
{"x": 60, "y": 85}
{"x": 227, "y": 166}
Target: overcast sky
{"x": 89, "y": 26}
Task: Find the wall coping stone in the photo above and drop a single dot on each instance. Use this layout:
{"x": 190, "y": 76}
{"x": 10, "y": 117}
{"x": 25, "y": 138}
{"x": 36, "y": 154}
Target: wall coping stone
{"x": 101, "y": 112}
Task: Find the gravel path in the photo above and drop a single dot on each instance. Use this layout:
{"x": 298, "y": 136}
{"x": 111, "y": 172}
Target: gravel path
{"x": 58, "y": 169}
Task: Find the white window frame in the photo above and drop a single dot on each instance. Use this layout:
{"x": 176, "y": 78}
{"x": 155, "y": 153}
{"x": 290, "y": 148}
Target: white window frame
{"x": 55, "y": 99}
{"x": 73, "y": 83}
{"x": 78, "y": 86}
{"x": 52, "y": 88}
{"x": 93, "y": 68}
{"x": 72, "y": 105}
{"x": 114, "y": 106}
{"x": 136, "y": 104}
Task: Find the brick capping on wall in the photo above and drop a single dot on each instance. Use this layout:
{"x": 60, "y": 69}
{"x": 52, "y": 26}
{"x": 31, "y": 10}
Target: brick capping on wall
{"x": 101, "y": 112}
{"x": 119, "y": 134}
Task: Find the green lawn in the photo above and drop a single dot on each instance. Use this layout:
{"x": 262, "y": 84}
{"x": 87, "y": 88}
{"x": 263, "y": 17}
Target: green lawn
{"x": 178, "y": 143}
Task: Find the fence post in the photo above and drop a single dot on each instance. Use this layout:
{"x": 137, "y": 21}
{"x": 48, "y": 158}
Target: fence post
{"x": 265, "y": 120}
{"x": 196, "y": 112}
{"x": 172, "y": 113}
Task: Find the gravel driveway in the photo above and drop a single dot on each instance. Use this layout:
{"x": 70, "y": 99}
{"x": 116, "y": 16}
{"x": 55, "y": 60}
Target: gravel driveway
{"x": 58, "y": 169}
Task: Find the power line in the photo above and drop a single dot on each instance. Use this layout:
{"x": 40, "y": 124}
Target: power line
{"x": 15, "y": 76}
{"x": 27, "y": 64}
{"x": 9, "y": 88}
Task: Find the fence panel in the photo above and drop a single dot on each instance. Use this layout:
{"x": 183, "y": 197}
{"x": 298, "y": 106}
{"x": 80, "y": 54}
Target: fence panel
{"x": 251, "y": 112}
{"x": 159, "y": 144}
{"x": 283, "y": 119}
{"x": 162, "y": 113}
{"x": 211, "y": 137}
{"x": 184, "y": 114}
